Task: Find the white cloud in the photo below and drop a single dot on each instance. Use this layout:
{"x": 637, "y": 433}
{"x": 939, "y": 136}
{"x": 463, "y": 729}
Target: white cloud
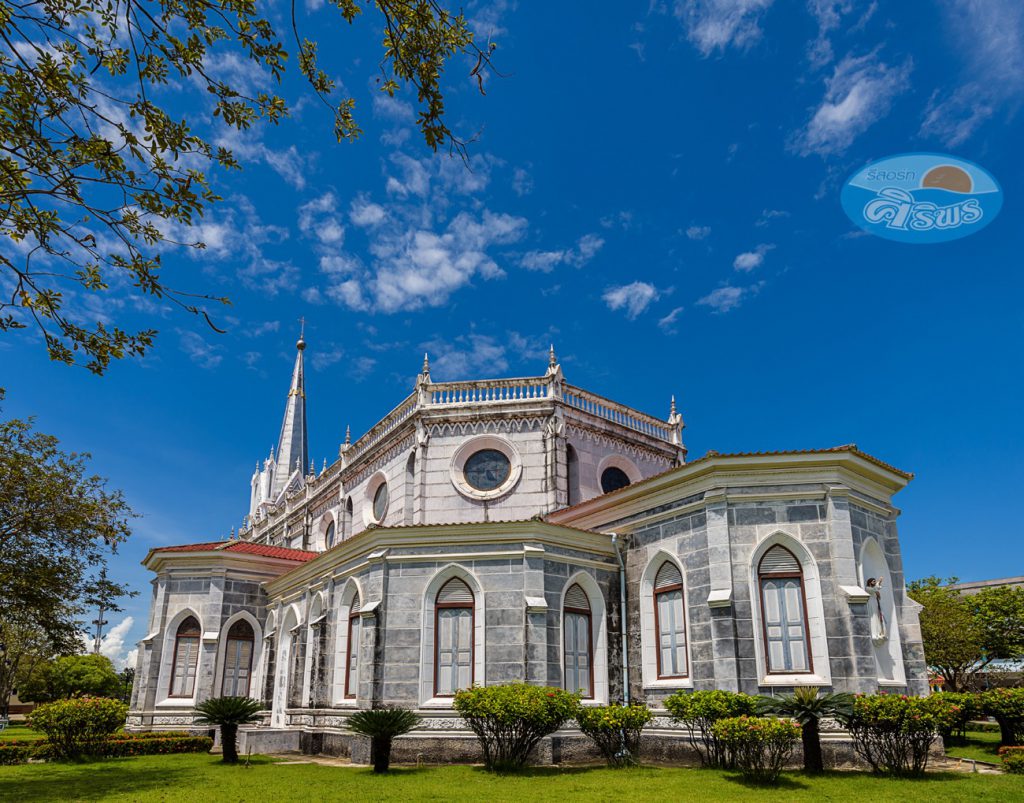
{"x": 392, "y": 108}
{"x": 199, "y": 351}
{"x": 366, "y": 213}
{"x": 262, "y": 328}
{"x": 989, "y": 37}
{"x": 718, "y": 24}
{"x": 249, "y": 146}
{"x": 829, "y": 15}
{"x": 633, "y": 298}
{"x": 469, "y": 357}
{"x": 768, "y": 215}
{"x": 522, "y": 182}
{"x": 724, "y": 299}
{"x": 859, "y": 93}
{"x": 749, "y": 260}
{"x": 586, "y": 249}
{"x": 319, "y": 219}
{"x": 698, "y": 232}
{"x": 113, "y": 644}
{"x": 325, "y": 356}
{"x": 668, "y": 323}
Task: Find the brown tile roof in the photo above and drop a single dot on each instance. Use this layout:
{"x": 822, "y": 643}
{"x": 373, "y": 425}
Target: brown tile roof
{"x": 245, "y": 547}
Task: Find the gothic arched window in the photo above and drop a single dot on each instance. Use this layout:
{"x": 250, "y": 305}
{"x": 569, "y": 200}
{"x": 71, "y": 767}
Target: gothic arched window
{"x": 352, "y": 658}
{"x": 670, "y": 621}
{"x": 613, "y": 478}
{"x": 784, "y": 612}
{"x": 579, "y": 658}
{"x": 238, "y": 660}
{"x": 453, "y": 638}
{"x": 186, "y": 658}
{"x": 329, "y": 535}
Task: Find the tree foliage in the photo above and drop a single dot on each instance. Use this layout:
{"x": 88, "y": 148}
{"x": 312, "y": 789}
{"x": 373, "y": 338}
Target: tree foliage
{"x": 228, "y": 713}
{"x": 615, "y": 729}
{"x": 761, "y": 745}
{"x": 98, "y": 172}
{"x": 698, "y": 712}
{"x": 58, "y": 526}
{"x": 808, "y": 707}
{"x": 964, "y": 633}
{"x": 72, "y": 676}
{"x": 382, "y": 725}
{"x": 73, "y": 727}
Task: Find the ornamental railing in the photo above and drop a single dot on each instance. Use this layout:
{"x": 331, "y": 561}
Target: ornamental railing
{"x": 617, "y": 413}
{"x": 488, "y": 391}
{"x": 382, "y": 428}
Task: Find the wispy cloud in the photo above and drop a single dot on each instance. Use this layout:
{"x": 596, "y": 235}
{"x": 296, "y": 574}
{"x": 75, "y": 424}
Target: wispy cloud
{"x": 768, "y": 215}
{"x": 545, "y": 261}
{"x": 632, "y": 298}
{"x": 698, "y": 232}
{"x": 668, "y": 323}
{"x": 203, "y": 354}
{"x": 715, "y": 25}
{"x": 749, "y": 260}
{"x": 729, "y": 297}
{"x": 859, "y": 93}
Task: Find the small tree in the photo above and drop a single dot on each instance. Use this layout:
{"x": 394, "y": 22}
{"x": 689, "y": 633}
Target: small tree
{"x": 893, "y": 732}
{"x": 74, "y": 727}
{"x": 698, "y": 712}
{"x": 509, "y": 720}
{"x": 615, "y": 729}
{"x": 382, "y": 725}
{"x": 1007, "y": 706}
{"x": 72, "y": 676}
{"x": 761, "y": 746}
{"x": 228, "y": 713}
{"x": 808, "y": 707}
{"x": 970, "y": 706}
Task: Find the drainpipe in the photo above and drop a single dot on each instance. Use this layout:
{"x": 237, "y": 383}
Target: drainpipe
{"x": 622, "y": 619}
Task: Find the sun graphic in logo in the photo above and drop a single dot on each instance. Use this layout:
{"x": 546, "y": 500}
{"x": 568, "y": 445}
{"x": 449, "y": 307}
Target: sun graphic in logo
{"x": 948, "y": 177}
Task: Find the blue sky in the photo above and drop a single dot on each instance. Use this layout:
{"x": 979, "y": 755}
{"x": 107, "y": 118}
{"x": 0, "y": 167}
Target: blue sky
{"x": 655, "y": 191}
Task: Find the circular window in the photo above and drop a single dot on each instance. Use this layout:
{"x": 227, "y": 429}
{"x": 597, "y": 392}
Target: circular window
{"x": 613, "y": 478}
{"x": 380, "y": 502}
{"x": 487, "y": 469}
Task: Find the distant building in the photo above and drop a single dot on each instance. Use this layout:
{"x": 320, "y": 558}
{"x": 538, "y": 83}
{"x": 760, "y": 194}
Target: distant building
{"x": 484, "y": 532}
{"x": 975, "y": 586}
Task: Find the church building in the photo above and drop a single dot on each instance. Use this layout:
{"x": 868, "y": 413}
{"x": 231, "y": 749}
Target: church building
{"x": 489, "y": 531}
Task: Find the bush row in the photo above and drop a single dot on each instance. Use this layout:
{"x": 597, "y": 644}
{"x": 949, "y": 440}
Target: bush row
{"x": 1006, "y": 706}
{"x": 161, "y": 744}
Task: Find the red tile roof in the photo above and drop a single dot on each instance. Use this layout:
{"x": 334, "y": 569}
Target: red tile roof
{"x": 246, "y": 547}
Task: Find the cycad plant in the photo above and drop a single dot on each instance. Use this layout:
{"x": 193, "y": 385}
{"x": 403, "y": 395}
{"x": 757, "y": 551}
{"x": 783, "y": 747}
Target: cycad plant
{"x": 228, "y": 713}
{"x": 382, "y": 725}
{"x": 808, "y": 707}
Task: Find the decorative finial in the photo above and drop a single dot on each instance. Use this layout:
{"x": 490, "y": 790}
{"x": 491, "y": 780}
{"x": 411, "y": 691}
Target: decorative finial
{"x": 552, "y": 359}
{"x": 302, "y": 335}
{"x": 324, "y": 469}
{"x": 672, "y": 412}
{"x": 271, "y": 451}
{"x": 348, "y": 435}
{"x": 426, "y": 364}
{"x": 298, "y": 463}
{"x": 232, "y": 536}
{"x": 312, "y": 468}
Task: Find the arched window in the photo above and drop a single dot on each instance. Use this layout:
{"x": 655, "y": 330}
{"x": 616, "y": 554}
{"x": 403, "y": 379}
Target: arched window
{"x": 784, "y": 612}
{"x": 352, "y": 659}
{"x": 613, "y": 478}
{"x": 670, "y": 621}
{"x": 410, "y": 479}
{"x": 579, "y": 659}
{"x": 453, "y": 638}
{"x": 572, "y": 466}
{"x": 346, "y": 521}
{"x": 329, "y": 535}
{"x": 238, "y": 660}
{"x": 186, "y": 658}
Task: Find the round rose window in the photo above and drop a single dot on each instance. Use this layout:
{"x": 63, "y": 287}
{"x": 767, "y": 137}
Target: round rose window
{"x": 487, "y": 469}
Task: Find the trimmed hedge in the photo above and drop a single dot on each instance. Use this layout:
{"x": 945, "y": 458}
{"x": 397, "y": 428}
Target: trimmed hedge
{"x": 1013, "y": 762}
{"x": 149, "y": 744}
{"x": 698, "y": 712}
{"x": 615, "y": 729}
{"x": 761, "y": 745}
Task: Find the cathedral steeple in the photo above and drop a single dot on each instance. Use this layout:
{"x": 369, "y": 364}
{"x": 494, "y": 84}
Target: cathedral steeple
{"x": 292, "y": 446}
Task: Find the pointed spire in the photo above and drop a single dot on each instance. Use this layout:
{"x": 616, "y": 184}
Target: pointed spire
{"x": 293, "y": 445}
{"x": 672, "y": 410}
{"x": 324, "y": 469}
{"x": 348, "y": 434}
{"x": 426, "y": 364}
{"x": 552, "y": 359}
{"x": 312, "y": 468}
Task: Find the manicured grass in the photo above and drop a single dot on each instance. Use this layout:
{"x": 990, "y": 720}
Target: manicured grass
{"x": 981, "y": 746}
{"x": 18, "y": 733}
{"x": 197, "y": 778}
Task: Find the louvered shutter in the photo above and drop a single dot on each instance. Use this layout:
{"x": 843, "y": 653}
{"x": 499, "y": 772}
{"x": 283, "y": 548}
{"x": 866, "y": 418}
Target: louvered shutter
{"x": 576, "y": 598}
{"x": 453, "y": 592}
{"x": 779, "y": 560}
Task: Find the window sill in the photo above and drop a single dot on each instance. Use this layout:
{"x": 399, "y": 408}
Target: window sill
{"x": 437, "y": 702}
{"x": 801, "y": 679}
{"x": 669, "y": 683}
{"x": 177, "y": 702}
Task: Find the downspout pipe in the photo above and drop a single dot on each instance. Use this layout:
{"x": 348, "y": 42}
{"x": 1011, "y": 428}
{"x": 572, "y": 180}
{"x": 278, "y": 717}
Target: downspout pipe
{"x": 617, "y": 543}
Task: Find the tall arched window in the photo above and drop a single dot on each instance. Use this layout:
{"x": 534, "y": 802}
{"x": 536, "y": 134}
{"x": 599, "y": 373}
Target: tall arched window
{"x": 346, "y": 521}
{"x": 453, "y": 638}
{"x": 572, "y": 466}
{"x": 784, "y": 612}
{"x": 579, "y": 659}
{"x": 329, "y": 535}
{"x": 238, "y": 660}
{"x": 186, "y": 658}
{"x": 670, "y": 621}
{"x": 352, "y": 658}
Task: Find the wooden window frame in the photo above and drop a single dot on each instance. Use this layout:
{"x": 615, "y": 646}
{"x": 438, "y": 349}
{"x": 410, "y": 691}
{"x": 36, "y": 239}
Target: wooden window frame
{"x": 349, "y": 694}
{"x": 799, "y": 576}
{"x": 657, "y": 628}
{"x": 178, "y": 635}
{"x": 471, "y": 607}
{"x": 590, "y": 645}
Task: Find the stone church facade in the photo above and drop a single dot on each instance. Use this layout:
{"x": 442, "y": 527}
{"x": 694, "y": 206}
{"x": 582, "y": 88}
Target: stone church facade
{"x": 526, "y": 529}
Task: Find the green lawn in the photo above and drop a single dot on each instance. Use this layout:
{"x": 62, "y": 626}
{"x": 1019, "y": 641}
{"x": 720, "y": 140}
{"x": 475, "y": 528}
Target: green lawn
{"x": 197, "y": 778}
{"x": 981, "y": 746}
{"x": 17, "y": 733}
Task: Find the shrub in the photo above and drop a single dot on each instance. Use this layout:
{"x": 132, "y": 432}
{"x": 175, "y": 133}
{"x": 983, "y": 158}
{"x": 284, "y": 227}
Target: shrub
{"x": 1007, "y": 707}
{"x": 970, "y": 707}
{"x": 760, "y": 745}
{"x": 228, "y": 713}
{"x": 698, "y": 711}
{"x": 18, "y": 752}
{"x": 509, "y": 720}
{"x": 1014, "y": 763}
{"x": 73, "y": 726}
{"x": 115, "y": 747}
{"x": 808, "y": 707}
{"x": 382, "y": 725}
{"x": 615, "y": 729}
{"x": 893, "y": 732}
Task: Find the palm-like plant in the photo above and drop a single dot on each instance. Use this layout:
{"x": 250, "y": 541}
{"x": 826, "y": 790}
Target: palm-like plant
{"x": 228, "y": 713}
{"x": 382, "y": 725}
{"x": 808, "y": 707}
